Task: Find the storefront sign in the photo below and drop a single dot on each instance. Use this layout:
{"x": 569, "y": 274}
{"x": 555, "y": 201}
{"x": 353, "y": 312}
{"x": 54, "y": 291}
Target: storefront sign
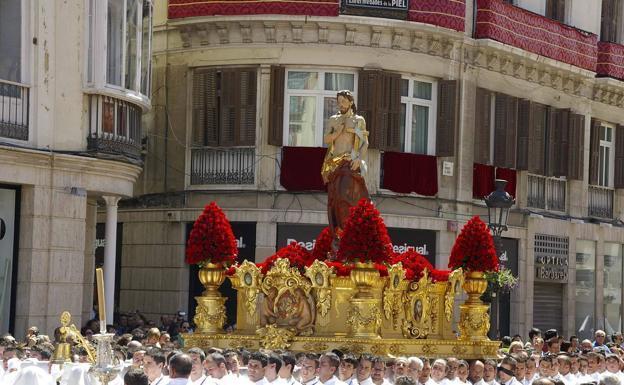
{"x": 395, "y": 9}
{"x": 396, "y": 5}
{"x": 551, "y": 268}
{"x": 422, "y": 241}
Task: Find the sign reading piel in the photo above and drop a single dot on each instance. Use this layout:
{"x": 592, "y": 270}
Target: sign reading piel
{"x": 393, "y": 9}
{"x": 398, "y": 5}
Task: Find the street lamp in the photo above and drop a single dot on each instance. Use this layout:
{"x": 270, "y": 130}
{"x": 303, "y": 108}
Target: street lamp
{"x": 498, "y": 203}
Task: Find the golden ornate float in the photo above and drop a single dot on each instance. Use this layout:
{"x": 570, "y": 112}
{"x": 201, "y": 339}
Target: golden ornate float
{"x": 364, "y": 312}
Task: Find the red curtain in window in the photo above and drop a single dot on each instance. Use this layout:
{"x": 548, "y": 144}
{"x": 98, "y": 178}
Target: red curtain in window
{"x": 406, "y": 173}
{"x": 301, "y": 168}
{"x": 482, "y": 180}
{"x": 509, "y": 174}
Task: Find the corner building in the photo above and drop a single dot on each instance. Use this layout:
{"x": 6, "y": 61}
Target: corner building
{"x": 73, "y": 88}
{"x": 455, "y": 94}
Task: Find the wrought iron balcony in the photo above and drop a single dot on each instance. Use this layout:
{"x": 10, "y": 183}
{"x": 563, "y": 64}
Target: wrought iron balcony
{"x": 14, "y": 110}
{"x": 600, "y": 202}
{"x": 114, "y": 127}
{"x": 546, "y": 193}
{"x": 223, "y": 166}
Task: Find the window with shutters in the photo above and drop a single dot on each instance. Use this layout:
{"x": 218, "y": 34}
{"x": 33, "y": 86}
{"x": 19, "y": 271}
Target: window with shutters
{"x": 418, "y": 114}
{"x": 555, "y": 9}
{"x": 223, "y": 134}
{"x": 310, "y": 100}
{"x": 606, "y": 155}
{"x": 609, "y": 20}
{"x": 496, "y": 122}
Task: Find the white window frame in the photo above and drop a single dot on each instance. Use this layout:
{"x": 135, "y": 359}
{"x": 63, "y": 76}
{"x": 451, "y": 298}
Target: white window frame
{"x": 320, "y": 93}
{"x": 611, "y": 161}
{"x": 99, "y": 48}
{"x": 411, "y": 101}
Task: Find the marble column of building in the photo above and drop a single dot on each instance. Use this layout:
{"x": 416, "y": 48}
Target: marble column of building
{"x": 110, "y": 249}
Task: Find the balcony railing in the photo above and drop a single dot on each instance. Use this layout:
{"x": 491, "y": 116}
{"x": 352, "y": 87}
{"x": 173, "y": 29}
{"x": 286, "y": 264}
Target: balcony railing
{"x": 546, "y": 193}
{"x": 610, "y": 57}
{"x": 14, "y": 109}
{"x": 600, "y": 202}
{"x": 223, "y": 166}
{"x": 114, "y": 126}
{"x": 508, "y": 24}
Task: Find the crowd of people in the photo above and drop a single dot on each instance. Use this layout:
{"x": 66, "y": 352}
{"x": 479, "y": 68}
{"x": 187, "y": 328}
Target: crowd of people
{"x": 150, "y": 355}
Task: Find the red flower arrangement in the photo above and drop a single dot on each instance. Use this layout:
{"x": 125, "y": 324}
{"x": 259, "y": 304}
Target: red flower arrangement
{"x": 211, "y": 239}
{"x": 298, "y": 256}
{"x": 474, "y": 248}
{"x": 440, "y": 275}
{"x": 322, "y": 246}
{"x": 413, "y": 263}
{"x": 364, "y": 237}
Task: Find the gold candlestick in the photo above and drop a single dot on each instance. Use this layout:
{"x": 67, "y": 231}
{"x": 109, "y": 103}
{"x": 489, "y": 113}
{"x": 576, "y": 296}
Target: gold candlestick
{"x": 99, "y": 275}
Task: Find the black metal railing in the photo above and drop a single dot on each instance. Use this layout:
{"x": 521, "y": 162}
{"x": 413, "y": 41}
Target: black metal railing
{"x": 214, "y": 166}
{"x": 114, "y": 126}
{"x": 600, "y": 202}
{"x": 14, "y": 110}
{"x": 546, "y": 193}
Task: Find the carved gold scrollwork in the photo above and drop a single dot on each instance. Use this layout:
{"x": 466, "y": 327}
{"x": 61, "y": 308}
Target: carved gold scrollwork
{"x": 315, "y": 347}
{"x": 394, "y": 294}
{"x": 286, "y": 300}
{"x": 248, "y": 275}
{"x": 319, "y": 274}
{"x": 275, "y": 338}
{"x": 359, "y": 321}
{"x": 417, "y": 323}
{"x": 429, "y": 349}
{"x": 455, "y": 282}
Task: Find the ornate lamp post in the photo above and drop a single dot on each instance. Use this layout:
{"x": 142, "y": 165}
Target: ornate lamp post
{"x": 498, "y": 203}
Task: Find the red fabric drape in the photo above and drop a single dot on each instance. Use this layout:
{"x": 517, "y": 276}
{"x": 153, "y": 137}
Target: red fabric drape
{"x": 405, "y": 173}
{"x": 445, "y": 13}
{"x": 508, "y": 24}
{"x": 482, "y": 180}
{"x": 191, "y": 8}
{"x": 509, "y": 174}
{"x": 301, "y": 168}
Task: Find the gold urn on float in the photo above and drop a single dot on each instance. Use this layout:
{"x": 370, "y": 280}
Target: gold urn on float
{"x": 474, "y": 318}
{"x": 210, "y": 315}
{"x": 364, "y": 317}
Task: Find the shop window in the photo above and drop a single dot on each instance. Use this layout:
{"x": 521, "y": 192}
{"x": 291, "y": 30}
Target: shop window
{"x": 612, "y": 302}
{"x": 310, "y": 100}
{"x": 418, "y": 113}
{"x": 585, "y": 288}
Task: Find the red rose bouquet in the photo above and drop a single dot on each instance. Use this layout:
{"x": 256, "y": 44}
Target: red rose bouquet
{"x": 474, "y": 248}
{"x": 322, "y": 246}
{"x": 211, "y": 239}
{"x": 364, "y": 237}
{"x": 440, "y": 275}
{"x": 298, "y": 256}
{"x": 413, "y": 263}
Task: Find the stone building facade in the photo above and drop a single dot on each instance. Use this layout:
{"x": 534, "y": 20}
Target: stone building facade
{"x": 455, "y": 93}
{"x": 72, "y": 94}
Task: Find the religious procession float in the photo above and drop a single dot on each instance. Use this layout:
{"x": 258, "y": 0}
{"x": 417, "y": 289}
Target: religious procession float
{"x": 352, "y": 292}
{"x": 362, "y": 297}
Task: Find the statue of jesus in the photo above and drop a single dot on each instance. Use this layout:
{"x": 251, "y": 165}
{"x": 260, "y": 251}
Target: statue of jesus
{"x": 344, "y": 164}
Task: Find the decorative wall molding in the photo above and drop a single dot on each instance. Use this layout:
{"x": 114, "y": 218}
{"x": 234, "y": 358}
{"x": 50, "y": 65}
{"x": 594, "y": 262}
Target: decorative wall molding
{"x": 396, "y": 35}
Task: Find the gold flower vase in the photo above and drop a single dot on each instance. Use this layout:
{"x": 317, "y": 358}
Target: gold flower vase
{"x": 364, "y": 317}
{"x": 210, "y": 312}
{"x": 474, "y": 318}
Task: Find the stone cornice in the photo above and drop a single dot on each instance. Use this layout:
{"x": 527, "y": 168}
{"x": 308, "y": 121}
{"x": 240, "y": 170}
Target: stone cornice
{"x": 124, "y": 173}
{"x": 219, "y": 31}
